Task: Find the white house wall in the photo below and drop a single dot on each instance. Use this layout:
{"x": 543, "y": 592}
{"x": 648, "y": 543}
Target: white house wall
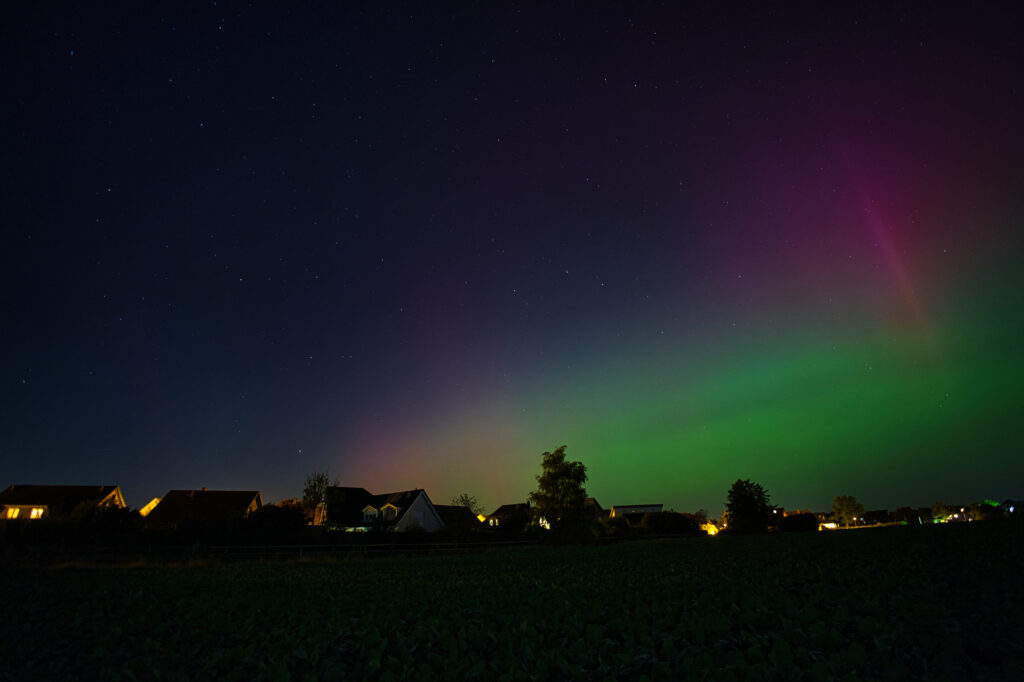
{"x": 420, "y": 513}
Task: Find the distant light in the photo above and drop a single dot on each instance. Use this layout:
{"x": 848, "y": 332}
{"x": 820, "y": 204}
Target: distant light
{"x": 1011, "y": 510}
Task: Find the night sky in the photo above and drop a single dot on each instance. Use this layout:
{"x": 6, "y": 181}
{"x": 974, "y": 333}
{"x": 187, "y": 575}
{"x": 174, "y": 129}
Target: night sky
{"x": 417, "y": 245}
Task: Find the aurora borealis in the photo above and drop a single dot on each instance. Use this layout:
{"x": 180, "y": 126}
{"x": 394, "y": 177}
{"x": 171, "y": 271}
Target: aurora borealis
{"x": 417, "y": 247}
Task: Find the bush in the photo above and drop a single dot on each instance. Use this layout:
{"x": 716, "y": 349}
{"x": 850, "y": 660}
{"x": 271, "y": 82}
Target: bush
{"x": 616, "y": 527}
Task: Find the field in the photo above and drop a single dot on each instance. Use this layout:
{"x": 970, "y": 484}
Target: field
{"x": 891, "y": 604}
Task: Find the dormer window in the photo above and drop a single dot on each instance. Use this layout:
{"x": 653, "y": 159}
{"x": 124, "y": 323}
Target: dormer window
{"x": 390, "y": 512}
{"x": 369, "y": 515}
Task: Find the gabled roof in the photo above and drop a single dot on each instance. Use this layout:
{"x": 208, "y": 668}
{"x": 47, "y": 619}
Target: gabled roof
{"x": 632, "y": 510}
{"x": 204, "y": 506}
{"x": 401, "y": 500}
{"x": 345, "y": 505}
{"x": 342, "y": 495}
{"x": 517, "y": 508}
{"x": 457, "y": 515}
{"x": 63, "y": 500}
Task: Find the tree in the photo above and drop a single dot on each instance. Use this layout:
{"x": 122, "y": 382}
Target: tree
{"x": 906, "y": 515}
{"x": 748, "y": 507}
{"x": 315, "y": 490}
{"x": 467, "y": 500}
{"x": 296, "y": 503}
{"x": 846, "y": 509}
{"x": 276, "y": 520}
{"x": 671, "y": 523}
{"x": 560, "y": 498}
{"x": 941, "y": 511}
{"x": 984, "y": 510}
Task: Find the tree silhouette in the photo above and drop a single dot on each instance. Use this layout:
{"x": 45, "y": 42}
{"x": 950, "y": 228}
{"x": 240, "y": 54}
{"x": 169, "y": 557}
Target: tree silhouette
{"x": 560, "y": 498}
{"x": 941, "y": 511}
{"x": 314, "y": 492}
{"x": 467, "y": 500}
{"x": 846, "y": 509}
{"x": 748, "y": 507}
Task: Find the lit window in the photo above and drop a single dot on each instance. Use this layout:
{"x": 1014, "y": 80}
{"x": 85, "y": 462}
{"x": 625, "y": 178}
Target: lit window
{"x": 12, "y": 513}
{"x": 37, "y": 513}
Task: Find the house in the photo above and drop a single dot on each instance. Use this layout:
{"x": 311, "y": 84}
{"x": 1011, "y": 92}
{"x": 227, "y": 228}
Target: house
{"x": 58, "y": 501}
{"x": 150, "y": 506}
{"x": 189, "y": 507}
{"x": 595, "y": 508}
{"x": 457, "y": 516}
{"x": 343, "y": 507}
{"x": 877, "y": 517}
{"x": 794, "y": 512}
{"x": 825, "y": 521}
{"x": 633, "y": 513}
{"x": 517, "y": 515}
{"x": 358, "y": 510}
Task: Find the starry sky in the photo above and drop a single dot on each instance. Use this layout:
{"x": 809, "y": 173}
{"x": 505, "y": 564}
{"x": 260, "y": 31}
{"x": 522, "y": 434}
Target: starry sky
{"x": 417, "y": 245}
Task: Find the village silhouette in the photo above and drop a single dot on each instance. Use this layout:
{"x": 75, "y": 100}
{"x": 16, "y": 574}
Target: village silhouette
{"x": 94, "y": 518}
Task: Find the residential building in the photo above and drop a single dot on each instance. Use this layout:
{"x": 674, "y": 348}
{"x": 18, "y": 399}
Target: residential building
{"x": 518, "y": 515}
{"x": 203, "y": 507}
{"x": 457, "y": 516}
{"x": 358, "y": 510}
{"x": 58, "y": 501}
{"x": 633, "y": 513}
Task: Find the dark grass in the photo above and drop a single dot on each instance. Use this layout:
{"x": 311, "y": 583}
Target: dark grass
{"x": 890, "y": 603}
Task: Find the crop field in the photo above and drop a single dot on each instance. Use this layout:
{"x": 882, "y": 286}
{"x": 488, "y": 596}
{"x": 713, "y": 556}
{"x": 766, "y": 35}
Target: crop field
{"x": 890, "y": 604}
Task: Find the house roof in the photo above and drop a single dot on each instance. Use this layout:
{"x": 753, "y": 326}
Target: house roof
{"x": 402, "y": 500}
{"x": 343, "y": 495}
{"x": 635, "y": 506}
{"x": 204, "y": 506}
{"x": 63, "y": 500}
{"x": 345, "y": 505}
{"x": 457, "y": 515}
{"x": 517, "y": 508}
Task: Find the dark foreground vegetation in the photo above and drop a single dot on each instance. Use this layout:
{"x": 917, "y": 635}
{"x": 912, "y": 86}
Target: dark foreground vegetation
{"x": 939, "y": 602}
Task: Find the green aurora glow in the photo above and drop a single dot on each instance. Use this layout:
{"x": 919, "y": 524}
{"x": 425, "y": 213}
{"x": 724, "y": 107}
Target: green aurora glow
{"x": 809, "y": 416}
